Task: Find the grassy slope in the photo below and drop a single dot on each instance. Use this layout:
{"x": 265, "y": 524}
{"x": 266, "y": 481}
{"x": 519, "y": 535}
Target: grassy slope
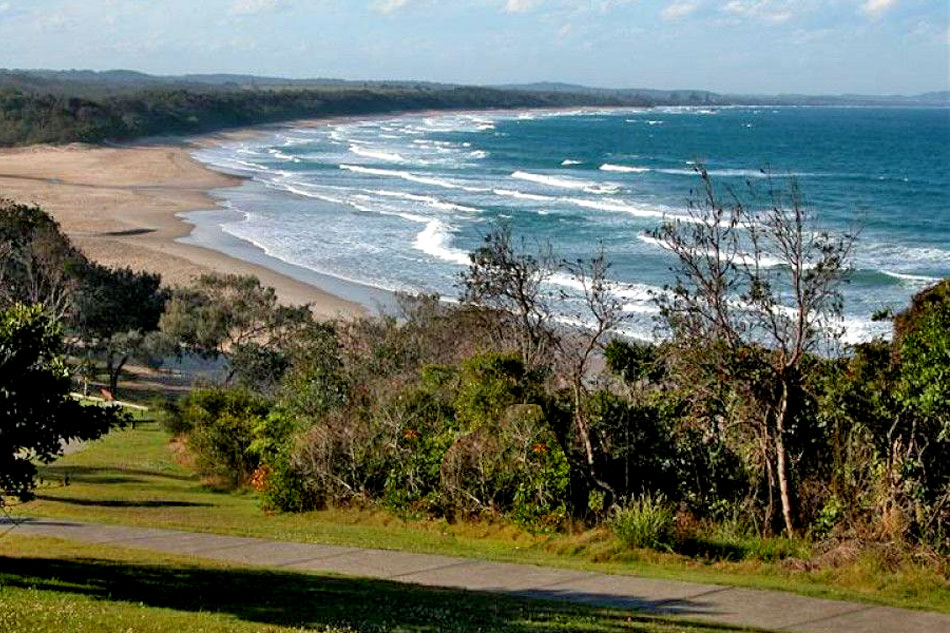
{"x": 132, "y": 477}
{"x": 49, "y": 586}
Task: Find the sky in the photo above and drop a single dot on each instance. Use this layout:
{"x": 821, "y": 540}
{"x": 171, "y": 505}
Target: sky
{"x": 736, "y": 46}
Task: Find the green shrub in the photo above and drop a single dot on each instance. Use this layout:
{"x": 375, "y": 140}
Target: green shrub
{"x": 421, "y": 430}
{"x": 169, "y": 416}
{"x": 282, "y": 488}
{"x": 831, "y": 513}
{"x": 645, "y": 521}
{"x": 222, "y": 425}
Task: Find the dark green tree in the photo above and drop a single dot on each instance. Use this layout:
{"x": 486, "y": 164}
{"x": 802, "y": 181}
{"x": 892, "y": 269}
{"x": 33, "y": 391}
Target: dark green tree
{"x": 37, "y": 414}
{"x": 235, "y": 317}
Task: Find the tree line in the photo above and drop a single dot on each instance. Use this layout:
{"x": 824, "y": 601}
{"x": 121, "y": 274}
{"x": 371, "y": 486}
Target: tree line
{"x": 28, "y": 117}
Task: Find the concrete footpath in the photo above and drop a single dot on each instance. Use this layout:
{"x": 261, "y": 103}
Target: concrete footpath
{"x": 771, "y": 610}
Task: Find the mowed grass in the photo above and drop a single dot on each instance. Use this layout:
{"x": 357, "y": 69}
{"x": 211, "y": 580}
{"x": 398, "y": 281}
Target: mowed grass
{"x": 51, "y": 586}
{"x": 134, "y": 477}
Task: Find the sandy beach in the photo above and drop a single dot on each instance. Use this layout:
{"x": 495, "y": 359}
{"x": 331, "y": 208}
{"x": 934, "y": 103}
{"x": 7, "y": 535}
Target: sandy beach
{"x": 119, "y": 205}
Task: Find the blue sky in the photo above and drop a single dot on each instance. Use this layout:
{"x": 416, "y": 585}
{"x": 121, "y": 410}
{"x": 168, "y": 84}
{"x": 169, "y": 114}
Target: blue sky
{"x": 765, "y": 46}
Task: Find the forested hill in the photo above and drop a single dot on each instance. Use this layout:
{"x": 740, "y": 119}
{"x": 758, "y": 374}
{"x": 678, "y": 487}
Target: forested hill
{"x": 48, "y": 106}
{"x": 64, "y": 107}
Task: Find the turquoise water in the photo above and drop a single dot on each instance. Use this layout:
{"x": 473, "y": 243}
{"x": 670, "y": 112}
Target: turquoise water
{"x": 398, "y": 203}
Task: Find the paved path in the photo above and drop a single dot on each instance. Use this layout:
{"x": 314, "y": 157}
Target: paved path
{"x": 772, "y": 610}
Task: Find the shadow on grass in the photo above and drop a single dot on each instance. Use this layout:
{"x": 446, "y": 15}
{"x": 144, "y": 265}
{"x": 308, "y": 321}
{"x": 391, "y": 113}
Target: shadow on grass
{"x": 122, "y": 503}
{"x": 89, "y": 473}
{"x": 305, "y": 600}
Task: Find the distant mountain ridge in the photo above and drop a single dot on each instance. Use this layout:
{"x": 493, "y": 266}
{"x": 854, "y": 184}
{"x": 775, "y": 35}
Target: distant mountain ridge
{"x": 714, "y": 98}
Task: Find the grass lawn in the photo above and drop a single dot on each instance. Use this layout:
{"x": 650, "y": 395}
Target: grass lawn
{"x": 50, "y": 586}
{"x": 133, "y": 477}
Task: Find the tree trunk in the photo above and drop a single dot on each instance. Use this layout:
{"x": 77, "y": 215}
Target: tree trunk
{"x": 781, "y": 459}
{"x": 584, "y": 432}
{"x": 115, "y": 371}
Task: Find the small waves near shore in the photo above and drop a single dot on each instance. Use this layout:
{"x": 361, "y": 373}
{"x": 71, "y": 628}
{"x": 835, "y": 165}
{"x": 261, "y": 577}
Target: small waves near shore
{"x": 398, "y": 203}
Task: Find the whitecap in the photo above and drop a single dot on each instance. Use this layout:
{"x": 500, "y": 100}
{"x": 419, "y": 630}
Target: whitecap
{"x": 561, "y": 182}
{"x": 405, "y": 175}
{"x": 428, "y": 200}
{"x": 912, "y": 280}
{"x": 436, "y": 240}
{"x": 740, "y": 258}
{"x": 624, "y": 169}
{"x": 360, "y": 150}
{"x": 520, "y": 195}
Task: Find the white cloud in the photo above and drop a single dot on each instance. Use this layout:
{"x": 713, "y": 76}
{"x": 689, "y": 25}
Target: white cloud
{"x": 250, "y": 7}
{"x": 388, "y": 6}
{"x": 679, "y": 10}
{"x": 767, "y": 10}
{"x": 521, "y": 6}
{"x": 877, "y": 8}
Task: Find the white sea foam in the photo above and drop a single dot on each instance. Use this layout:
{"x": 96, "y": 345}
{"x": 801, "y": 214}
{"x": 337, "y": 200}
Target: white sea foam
{"x": 861, "y": 330}
{"x": 624, "y": 169}
{"x": 361, "y": 150}
{"x": 436, "y": 240}
{"x": 561, "y": 182}
{"x": 405, "y": 175}
{"x": 567, "y": 162}
{"x": 744, "y": 259}
{"x": 912, "y": 280}
{"x": 638, "y": 297}
{"x": 428, "y": 200}
{"x": 276, "y": 153}
{"x": 607, "y": 205}
{"x": 520, "y": 195}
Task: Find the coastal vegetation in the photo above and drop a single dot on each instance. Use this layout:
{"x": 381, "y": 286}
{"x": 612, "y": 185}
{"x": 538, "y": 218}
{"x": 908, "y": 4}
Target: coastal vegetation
{"x": 66, "y": 112}
{"x": 748, "y": 439}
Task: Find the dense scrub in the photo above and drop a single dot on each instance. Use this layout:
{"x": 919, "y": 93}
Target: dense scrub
{"x": 28, "y": 117}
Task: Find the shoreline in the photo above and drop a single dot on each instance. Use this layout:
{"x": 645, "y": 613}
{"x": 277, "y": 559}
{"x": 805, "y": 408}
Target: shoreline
{"x": 135, "y": 205}
{"x": 123, "y": 206}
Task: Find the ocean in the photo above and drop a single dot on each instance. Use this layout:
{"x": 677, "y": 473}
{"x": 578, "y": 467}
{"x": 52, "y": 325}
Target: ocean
{"x": 397, "y": 203}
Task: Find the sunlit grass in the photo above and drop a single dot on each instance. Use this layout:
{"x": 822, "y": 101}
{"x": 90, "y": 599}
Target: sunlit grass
{"x": 50, "y": 586}
{"x": 135, "y": 477}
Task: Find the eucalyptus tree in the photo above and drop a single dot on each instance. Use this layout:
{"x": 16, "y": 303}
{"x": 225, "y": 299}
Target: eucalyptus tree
{"x": 757, "y": 290}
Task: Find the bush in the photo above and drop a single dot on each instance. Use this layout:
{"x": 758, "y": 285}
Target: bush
{"x": 646, "y": 521}
{"x": 513, "y": 467}
{"x": 222, "y": 425}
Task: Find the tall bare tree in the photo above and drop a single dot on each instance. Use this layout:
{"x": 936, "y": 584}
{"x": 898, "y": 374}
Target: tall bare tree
{"x": 757, "y": 291}
{"x": 600, "y": 314}
{"x": 512, "y": 283}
